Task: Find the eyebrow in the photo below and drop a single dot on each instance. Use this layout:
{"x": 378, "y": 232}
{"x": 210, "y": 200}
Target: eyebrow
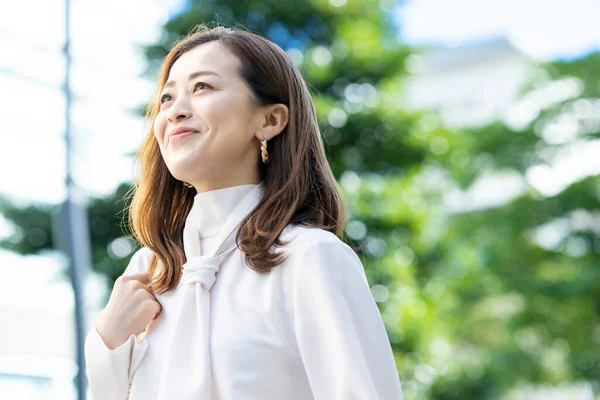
{"x": 193, "y": 75}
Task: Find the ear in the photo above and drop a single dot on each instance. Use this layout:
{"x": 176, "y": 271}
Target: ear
{"x": 274, "y": 119}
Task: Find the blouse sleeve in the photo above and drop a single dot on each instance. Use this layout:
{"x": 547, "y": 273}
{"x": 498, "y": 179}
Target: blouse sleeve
{"x": 110, "y": 372}
{"x": 339, "y": 331}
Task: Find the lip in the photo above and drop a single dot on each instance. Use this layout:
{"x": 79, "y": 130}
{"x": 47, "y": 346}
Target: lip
{"x": 179, "y": 133}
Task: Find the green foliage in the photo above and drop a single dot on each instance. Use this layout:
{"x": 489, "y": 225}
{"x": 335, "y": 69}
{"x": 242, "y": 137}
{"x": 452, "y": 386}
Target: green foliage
{"x": 107, "y": 219}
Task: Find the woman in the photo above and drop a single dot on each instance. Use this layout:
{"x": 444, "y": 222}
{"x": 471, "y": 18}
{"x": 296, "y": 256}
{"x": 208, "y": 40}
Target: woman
{"x": 242, "y": 289}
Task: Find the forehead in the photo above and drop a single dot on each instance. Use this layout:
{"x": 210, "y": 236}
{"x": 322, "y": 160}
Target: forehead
{"x": 211, "y": 56}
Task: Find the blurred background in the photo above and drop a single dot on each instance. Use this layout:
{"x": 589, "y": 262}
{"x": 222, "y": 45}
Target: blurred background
{"x": 465, "y": 135}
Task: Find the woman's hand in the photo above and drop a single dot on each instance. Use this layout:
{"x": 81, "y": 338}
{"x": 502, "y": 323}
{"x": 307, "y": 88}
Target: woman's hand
{"x": 130, "y": 309}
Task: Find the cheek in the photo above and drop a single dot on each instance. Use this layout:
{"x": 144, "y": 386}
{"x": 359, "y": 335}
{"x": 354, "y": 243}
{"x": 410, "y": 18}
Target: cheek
{"x": 159, "y": 126}
{"x": 231, "y": 117}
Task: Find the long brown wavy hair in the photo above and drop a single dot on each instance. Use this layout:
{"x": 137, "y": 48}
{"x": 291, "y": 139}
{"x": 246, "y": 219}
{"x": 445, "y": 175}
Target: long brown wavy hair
{"x": 298, "y": 182}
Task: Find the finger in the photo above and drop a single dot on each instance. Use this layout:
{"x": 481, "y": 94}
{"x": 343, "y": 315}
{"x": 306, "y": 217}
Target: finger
{"x": 148, "y": 290}
{"x": 143, "y": 277}
{"x": 159, "y": 310}
{"x": 139, "y": 285}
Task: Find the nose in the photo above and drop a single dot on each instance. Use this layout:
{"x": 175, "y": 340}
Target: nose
{"x": 180, "y": 110}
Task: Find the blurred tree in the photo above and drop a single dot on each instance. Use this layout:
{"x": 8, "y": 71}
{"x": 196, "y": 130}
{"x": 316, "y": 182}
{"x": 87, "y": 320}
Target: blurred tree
{"x": 476, "y": 301}
{"x": 507, "y": 294}
{"x": 112, "y": 245}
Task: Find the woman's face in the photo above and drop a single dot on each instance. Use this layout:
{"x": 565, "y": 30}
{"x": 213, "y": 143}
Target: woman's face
{"x": 205, "y": 93}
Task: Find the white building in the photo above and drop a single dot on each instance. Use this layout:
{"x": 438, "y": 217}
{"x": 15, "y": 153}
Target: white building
{"x": 469, "y": 85}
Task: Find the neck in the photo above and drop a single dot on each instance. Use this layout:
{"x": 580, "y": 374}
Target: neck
{"x": 234, "y": 175}
{"x": 207, "y": 186}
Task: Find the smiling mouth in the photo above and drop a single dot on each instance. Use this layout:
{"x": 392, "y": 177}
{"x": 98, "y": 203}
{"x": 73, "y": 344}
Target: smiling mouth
{"x": 179, "y": 136}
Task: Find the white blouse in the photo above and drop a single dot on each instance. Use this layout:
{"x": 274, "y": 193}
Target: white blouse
{"x": 309, "y": 329}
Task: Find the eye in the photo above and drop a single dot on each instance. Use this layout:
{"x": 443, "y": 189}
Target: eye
{"x": 166, "y": 97}
{"x": 204, "y": 85}
{"x": 163, "y": 98}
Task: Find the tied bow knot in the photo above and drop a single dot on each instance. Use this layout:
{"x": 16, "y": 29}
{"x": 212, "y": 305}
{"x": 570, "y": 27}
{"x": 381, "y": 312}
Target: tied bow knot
{"x": 202, "y": 269}
{"x": 186, "y": 370}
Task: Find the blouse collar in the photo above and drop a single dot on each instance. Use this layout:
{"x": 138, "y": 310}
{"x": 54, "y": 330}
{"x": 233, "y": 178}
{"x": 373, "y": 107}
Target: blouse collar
{"x": 211, "y": 209}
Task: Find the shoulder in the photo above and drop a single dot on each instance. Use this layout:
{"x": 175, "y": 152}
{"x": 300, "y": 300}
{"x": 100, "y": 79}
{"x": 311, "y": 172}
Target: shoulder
{"x": 300, "y": 237}
{"x": 139, "y": 261}
{"x": 312, "y": 252}
{"x": 302, "y": 241}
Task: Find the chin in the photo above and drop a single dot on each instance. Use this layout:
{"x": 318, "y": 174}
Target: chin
{"x": 180, "y": 170}
{"x": 186, "y": 171}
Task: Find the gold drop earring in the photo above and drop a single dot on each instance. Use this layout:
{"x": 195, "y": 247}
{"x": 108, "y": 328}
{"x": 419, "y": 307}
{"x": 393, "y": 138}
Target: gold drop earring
{"x": 265, "y": 153}
{"x": 187, "y": 185}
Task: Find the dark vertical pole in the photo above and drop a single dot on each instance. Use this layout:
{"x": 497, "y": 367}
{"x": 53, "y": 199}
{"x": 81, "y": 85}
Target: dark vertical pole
{"x": 75, "y": 225}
